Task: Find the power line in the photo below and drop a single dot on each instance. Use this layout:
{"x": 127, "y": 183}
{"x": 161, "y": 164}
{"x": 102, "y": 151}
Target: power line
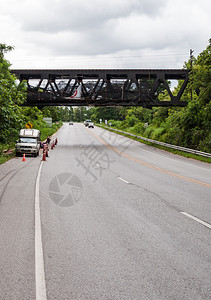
{"x": 172, "y": 55}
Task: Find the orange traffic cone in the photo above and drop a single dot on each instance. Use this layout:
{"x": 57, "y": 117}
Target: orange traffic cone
{"x": 44, "y": 156}
{"x": 46, "y": 152}
{"x": 24, "y": 158}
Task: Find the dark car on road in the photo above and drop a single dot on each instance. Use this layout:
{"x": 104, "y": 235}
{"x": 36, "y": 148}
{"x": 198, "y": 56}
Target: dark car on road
{"x": 86, "y": 123}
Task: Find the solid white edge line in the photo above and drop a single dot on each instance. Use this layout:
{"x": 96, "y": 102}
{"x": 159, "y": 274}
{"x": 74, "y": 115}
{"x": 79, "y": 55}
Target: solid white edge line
{"x": 39, "y": 259}
{"x": 123, "y": 180}
{"x": 196, "y": 219}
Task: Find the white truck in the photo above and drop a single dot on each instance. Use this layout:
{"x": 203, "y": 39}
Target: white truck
{"x": 28, "y": 143}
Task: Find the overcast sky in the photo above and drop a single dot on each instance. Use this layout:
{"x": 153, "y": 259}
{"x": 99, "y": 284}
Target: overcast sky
{"x": 104, "y": 33}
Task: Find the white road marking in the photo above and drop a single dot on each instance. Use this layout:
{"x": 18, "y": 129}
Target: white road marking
{"x": 123, "y": 180}
{"x": 39, "y": 260}
{"x": 196, "y": 219}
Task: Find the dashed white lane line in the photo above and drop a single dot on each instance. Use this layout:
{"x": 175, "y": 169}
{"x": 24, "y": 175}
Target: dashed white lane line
{"x": 196, "y": 219}
{"x": 39, "y": 259}
{"x": 123, "y": 180}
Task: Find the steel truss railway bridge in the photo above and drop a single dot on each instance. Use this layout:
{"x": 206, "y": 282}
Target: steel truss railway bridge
{"x": 102, "y": 87}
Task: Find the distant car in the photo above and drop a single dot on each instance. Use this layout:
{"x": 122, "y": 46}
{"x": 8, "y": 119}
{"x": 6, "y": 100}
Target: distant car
{"x": 91, "y": 125}
{"x": 86, "y": 123}
{"x": 70, "y": 123}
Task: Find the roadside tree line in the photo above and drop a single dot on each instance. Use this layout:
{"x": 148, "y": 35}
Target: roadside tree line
{"x": 189, "y": 126}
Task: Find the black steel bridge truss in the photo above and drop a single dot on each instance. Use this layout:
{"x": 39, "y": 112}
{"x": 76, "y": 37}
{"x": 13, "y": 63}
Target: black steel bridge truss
{"x": 102, "y": 87}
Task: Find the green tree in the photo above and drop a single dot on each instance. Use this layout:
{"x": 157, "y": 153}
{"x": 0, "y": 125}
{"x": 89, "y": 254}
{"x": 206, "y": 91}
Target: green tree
{"x": 105, "y": 113}
{"x": 202, "y": 75}
{"x": 51, "y": 112}
{"x": 191, "y": 126}
{"x": 78, "y": 114}
{"x": 159, "y": 115}
{"x": 65, "y": 114}
{"x": 12, "y": 95}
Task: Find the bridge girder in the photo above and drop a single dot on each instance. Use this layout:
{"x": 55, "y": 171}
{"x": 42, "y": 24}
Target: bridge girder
{"x": 102, "y": 87}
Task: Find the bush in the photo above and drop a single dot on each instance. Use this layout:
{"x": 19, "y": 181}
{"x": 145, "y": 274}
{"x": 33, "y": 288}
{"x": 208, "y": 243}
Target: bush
{"x": 139, "y": 128}
{"x": 47, "y": 130}
{"x": 158, "y": 132}
{"x": 149, "y": 131}
{"x": 205, "y": 144}
{"x": 131, "y": 120}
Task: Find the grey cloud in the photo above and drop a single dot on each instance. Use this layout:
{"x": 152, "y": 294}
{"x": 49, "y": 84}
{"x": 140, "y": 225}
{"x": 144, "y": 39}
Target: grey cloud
{"x": 55, "y": 16}
{"x": 104, "y": 27}
{"x": 89, "y": 27}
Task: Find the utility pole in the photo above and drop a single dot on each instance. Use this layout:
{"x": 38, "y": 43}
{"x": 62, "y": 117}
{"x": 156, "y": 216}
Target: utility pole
{"x": 191, "y": 58}
{"x": 191, "y": 67}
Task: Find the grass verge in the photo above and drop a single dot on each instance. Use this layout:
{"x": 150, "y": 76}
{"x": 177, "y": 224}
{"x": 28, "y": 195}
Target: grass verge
{"x": 5, "y": 157}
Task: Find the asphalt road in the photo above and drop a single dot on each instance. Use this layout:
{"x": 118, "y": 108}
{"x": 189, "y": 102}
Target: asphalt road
{"x": 104, "y": 217}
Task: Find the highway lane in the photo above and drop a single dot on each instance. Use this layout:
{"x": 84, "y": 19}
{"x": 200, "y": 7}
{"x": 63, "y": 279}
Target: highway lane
{"x": 111, "y": 221}
{"x": 167, "y": 167}
{"x": 125, "y": 238}
{"x": 17, "y": 276}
